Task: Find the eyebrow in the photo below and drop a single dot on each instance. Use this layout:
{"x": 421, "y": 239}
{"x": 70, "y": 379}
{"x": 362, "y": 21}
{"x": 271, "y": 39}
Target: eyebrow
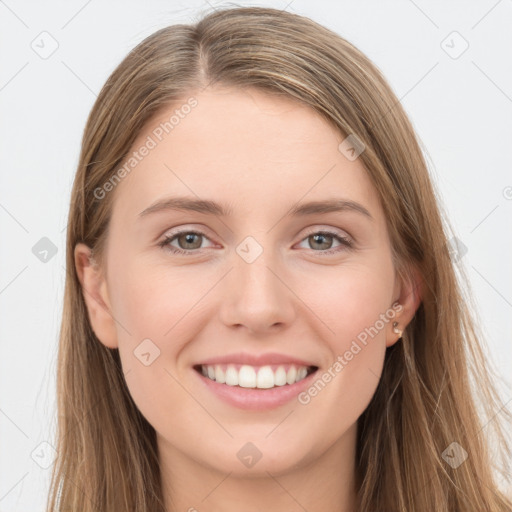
{"x": 212, "y": 208}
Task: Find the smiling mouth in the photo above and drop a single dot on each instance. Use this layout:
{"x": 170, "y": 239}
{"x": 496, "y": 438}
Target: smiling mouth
{"x": 255, "y": 377}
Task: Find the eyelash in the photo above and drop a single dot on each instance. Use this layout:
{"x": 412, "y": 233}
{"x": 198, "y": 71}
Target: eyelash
{"x": 165, "y": 243}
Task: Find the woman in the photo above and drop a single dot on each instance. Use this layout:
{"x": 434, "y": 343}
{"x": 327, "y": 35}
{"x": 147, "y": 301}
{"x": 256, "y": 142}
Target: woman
{"x": 261, "y": 310}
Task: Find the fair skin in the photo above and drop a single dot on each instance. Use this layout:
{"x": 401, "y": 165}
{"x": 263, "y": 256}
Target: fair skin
{"x": 259, "y": 155}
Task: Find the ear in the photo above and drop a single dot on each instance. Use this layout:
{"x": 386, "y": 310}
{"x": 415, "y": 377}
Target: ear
{"x": 94, "y": 289}
{"x": 408, "y": 293}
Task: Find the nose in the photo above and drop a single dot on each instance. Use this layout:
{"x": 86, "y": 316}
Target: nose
{"x": 257, "y": 296}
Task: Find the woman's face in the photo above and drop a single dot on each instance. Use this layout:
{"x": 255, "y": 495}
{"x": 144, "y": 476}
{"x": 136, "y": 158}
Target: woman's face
{"x": 259, "y": 286}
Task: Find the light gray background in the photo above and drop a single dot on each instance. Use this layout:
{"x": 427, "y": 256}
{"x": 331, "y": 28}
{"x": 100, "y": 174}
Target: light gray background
{"x": 460, "y": 107}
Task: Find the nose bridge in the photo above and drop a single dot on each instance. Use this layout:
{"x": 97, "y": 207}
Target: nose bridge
{"x": 253, "y": 260}
{"x": 256, "y": 296}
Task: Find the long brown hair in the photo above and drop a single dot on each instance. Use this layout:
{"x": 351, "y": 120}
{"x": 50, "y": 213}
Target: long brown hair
{"x": 436, "y": 388}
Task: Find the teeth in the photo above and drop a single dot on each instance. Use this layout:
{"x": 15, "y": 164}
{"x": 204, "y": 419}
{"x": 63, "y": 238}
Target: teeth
{"x": 266, "y": 378}
{"x": 220, "y": 376}
{"x": 251, "y": 377}
{"x": 247, "y": 377}
{"x": 280, "y": 377}
{"x": 291, "y": 376}
{"x": 231, "y": 376}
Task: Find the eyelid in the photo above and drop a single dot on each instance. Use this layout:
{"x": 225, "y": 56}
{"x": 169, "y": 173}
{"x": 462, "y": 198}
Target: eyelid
{"x": 340, "y": 232}
{"x": 186, "y": 228}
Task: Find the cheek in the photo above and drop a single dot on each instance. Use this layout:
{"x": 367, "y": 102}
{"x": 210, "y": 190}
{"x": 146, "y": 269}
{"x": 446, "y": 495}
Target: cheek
{"x": 351, "y": 300}
{"x": 160, "y": 314}
{"x": 357, "y": 307}
{"x": 157, "y": 302}
{"x": 155, "y": 317}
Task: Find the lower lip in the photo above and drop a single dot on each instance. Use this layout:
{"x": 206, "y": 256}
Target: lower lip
{"x": 253, "y": 398}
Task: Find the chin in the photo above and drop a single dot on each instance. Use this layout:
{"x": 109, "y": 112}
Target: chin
{"x": 257, "y": 458}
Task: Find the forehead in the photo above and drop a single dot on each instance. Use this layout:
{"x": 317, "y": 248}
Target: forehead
{"x": 244, "y": 148}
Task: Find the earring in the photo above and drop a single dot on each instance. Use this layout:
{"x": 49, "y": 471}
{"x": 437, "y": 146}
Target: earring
{"x": 396, "y": 329}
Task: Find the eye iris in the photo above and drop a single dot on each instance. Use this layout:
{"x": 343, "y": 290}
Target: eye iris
{"x": 188, "y": 239}
{"x": 321, "y": 236}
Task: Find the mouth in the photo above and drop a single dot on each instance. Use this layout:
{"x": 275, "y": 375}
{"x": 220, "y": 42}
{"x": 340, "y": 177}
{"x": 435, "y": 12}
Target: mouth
{"x": 255, "y": 377}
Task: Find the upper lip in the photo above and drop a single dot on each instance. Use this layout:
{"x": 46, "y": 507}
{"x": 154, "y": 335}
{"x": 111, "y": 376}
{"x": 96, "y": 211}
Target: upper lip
{"x": 256, "y": 360}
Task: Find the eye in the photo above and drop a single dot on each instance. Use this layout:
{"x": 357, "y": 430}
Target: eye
{"x": 190, "y": 242}
{"x": 323, "y": 240}
{"x": 189, "y": 239}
